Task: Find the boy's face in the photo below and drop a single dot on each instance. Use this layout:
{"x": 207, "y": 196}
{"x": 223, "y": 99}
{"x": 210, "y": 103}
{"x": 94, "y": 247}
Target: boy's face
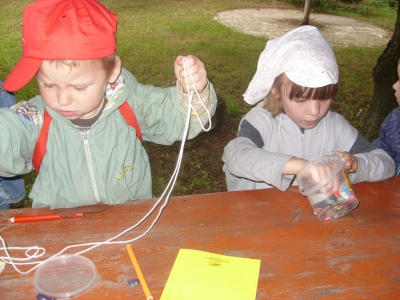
{"x": 396, "y": 85}
{"x": 305, "y": 113}
{"x": 74, "y": 92}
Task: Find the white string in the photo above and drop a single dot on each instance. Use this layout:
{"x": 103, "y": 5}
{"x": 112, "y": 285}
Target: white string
{"x": 198, "y": 96}
{"x": 36, "y": 252}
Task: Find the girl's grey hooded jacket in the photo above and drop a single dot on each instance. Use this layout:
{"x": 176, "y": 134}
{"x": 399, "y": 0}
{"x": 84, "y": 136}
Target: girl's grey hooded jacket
{"x": 256, "y": 158}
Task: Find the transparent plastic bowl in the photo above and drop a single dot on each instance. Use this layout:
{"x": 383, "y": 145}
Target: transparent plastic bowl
{"x": 65, "y": 276}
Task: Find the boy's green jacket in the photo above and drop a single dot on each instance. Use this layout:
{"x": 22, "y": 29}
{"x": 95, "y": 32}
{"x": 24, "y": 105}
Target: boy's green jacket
{"x": 110, "y": 165}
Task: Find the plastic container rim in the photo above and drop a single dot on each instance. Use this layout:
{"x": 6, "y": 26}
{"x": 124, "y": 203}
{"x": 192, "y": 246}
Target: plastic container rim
{"x": 323, "y": 182}
{"x": 67, "y": 257}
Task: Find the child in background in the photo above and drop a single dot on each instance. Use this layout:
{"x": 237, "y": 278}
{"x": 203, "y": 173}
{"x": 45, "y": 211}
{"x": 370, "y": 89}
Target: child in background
{"x": 297, "y": 75}
{"x": 12, "y": 189}
{"x": 389, "y": 136}
{"x": 92, "y": 155}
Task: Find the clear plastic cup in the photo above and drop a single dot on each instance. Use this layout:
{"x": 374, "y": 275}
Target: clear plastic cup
{"x": 328, "y": 187}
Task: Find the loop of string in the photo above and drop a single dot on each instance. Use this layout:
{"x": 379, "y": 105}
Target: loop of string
{"x": 35, "y": 252}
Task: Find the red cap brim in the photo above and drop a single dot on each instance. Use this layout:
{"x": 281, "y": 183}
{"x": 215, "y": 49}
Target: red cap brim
{"x": 22, "y": 73}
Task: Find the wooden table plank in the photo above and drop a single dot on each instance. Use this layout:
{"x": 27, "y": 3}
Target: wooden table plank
{"x": 354, "y": 257}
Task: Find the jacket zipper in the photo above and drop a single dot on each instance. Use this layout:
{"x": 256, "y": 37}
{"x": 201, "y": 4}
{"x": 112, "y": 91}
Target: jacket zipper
{"x": 90, "y": 165}
{"x": 303, "y": 144}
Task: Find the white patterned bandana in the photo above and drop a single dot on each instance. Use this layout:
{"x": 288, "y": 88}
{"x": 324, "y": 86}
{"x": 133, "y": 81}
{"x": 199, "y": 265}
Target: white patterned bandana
{"x": 303, "y": 54}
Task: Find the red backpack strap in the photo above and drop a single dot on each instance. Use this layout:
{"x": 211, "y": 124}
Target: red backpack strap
{"x": 127, "y": 112}
{"x": 41, "y": 144}
{"x": 40, "y": 148}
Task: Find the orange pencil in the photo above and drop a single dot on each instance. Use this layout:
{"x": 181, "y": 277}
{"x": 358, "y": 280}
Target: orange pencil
{"x": 55, "y": 216}
{"x": 139, "y": 273}
{"x": 348, "y": 182}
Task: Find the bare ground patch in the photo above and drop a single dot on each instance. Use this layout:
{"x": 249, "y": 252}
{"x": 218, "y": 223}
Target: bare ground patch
{"x": 272, "y": 22}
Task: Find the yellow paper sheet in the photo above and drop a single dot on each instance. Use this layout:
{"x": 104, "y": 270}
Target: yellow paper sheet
{"x": 199, "y": 275}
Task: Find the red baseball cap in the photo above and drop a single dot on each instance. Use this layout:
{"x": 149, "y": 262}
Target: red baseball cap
{"x": 62, "y": 30}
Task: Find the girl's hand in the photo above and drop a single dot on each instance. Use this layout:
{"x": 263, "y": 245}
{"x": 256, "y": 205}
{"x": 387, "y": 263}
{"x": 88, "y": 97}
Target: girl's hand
{"x": 313, "y": 173}
{"x": 197, "y": 69}
{"x": 317, "y": 173}
{"x": 351, "y": 162}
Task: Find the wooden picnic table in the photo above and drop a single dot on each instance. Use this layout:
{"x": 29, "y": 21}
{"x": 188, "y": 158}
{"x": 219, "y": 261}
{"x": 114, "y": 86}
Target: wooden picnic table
{"x": 354, "y": 257}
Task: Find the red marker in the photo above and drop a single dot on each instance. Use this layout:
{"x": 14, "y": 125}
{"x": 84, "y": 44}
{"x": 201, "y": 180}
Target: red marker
{"x": 54, "y": 216}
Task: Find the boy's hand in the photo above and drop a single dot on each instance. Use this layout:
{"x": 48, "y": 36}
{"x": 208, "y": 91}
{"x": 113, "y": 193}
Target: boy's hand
{"x": 351, "y": 162}
{"x": 197, "y": 69}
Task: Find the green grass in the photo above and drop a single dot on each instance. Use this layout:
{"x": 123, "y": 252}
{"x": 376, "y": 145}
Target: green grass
{"x": 356, "y": 82}
{"x": 152, "y": 33}
{"x": 383, "y": 17}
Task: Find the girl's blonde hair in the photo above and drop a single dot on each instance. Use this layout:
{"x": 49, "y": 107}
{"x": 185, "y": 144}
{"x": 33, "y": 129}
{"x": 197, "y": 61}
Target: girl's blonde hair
{"x": 274, "y": 105}
{"x": 107, "y": 63}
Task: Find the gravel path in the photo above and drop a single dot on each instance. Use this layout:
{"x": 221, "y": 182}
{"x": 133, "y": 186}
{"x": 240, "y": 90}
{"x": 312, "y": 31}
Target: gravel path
{"x": 339, "y": 31}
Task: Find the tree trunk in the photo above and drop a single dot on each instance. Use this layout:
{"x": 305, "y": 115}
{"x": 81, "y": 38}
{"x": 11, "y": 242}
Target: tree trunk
{"x": 306, "y": 18}
{"x": 384, "y": 75}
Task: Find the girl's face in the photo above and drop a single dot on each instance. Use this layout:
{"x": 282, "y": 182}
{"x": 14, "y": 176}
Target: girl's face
{"x": 396, "y": 86}
{"x": 74, "y": 92}
{"x": 305, "y": 113}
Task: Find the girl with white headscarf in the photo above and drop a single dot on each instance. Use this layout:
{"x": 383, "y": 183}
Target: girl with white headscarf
{"x": 297, "y": 78}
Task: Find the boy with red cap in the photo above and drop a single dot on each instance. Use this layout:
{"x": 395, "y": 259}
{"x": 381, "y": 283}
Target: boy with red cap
{"x": 90, "y": 154}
